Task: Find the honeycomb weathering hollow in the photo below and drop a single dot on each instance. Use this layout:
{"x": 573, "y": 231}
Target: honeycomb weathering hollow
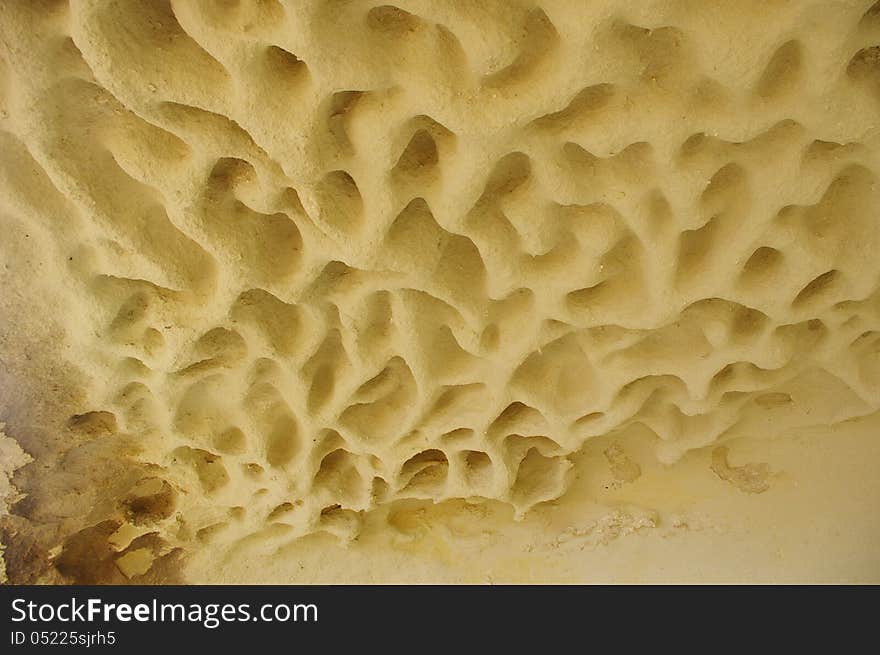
{"x": 321, "y": 261}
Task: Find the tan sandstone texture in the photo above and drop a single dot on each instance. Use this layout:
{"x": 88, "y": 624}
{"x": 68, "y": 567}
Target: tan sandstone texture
{"x": 440, "y": 291}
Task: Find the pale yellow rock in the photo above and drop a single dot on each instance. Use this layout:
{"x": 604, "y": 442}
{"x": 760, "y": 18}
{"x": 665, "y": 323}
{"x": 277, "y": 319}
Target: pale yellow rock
{"x": 135, "y": 562}
{"x": 12, "y": 457}
{"x": 563, "y": 291}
